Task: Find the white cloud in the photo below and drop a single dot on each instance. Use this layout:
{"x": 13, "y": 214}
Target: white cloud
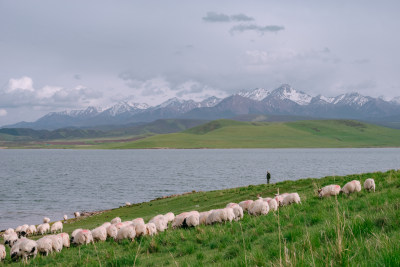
{"x": 23, "y": 83}
{"x": 3, "y": 112}
{"x": 48, "y": 91}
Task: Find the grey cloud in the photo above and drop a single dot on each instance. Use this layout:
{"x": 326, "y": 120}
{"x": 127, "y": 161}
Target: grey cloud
{"x": 362, "y": 61}
{"x": 77, "y": 77}
{"x": 253, "y": 27}
{"x": 220, "y": 17}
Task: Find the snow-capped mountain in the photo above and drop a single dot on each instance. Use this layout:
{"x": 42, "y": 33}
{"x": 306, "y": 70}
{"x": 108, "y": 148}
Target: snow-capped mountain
{"x": 88, "y": 112}
{"x": 210, "y": 102}
{"x": 256, "y": 94}
{"x": 396, "y": 100}
{"x": 125, "y": 107}
{"x": 286, "y": 92}
{"x": 352, "y": 99}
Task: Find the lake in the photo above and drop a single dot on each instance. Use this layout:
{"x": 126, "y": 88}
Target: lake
{"x": 38, "y": 183}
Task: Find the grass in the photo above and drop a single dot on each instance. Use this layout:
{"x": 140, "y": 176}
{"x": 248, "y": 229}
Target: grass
{"x": 299, "y": 134}
{"x": 361, "y": 229}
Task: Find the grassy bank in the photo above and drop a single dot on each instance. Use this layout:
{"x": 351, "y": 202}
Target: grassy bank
{"x": 299, "y": 134}
{"x": 360, "y": 229}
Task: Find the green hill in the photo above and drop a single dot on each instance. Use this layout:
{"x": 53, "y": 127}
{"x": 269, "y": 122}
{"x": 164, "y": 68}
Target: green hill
{"x": 301, "y": 134}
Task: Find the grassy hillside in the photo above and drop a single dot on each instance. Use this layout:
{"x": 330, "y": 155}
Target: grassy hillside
{"x": 361, "y": 229}
{"x": 235, "y": 134}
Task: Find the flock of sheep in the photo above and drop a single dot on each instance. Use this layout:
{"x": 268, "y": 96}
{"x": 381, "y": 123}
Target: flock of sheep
{"x": 24, "y": 248}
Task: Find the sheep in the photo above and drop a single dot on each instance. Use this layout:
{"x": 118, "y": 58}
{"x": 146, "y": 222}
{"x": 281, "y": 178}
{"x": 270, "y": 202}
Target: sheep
{"x": 169, "y": 216}
{"x": 46, "y": 220}
{"x": 128, "y": 203}
{"x": 45, "y": 245}
{"x": 369, "y": 184}
{"x": 24, "y": 248}
{"x": 245, "y": 204}
{"x": 267, "y": 199}
{"x": 151, "y": 229}
{"x": 127, "y": 232}
{"x": 192, "y": 220}
{"x": 31, "y": 230}
{"x": 23, "y": 230}
{"x": 3, "y": 253}
{"x": 140, "y": 229}
{"x": 99, "y": 234}
{"x": 273, "y": 205}
{"x": 65, "y": 238}
{"x": 329, "y": 190}
{"x": 138, "y": 221}
{"x": 122, "y": 224}
{"x": 77, "y": 214}
{"x": 279, "y": 198}
{"x": 43, "y": 228}
{"x": 116, "y": 220}
{"x": 291, "y": 198}
{"x": 203, "y": 216}
{"x": 237, "y": 210}
{"x": 57, "y": 242}
{"x": 161, "y": 222}
{"x": 83, "y": 237}
{"x": 106, "y": 224}
{"x": 65, "y": 217}
{"x": 9, "y": 231}
{"x": 74, "y": 234}
{"x": 18, "y": 229}
{"x": 57, "y": 226}
{"x": 259, "y": 207}
{"x": 10, "y": 239}
{"x": 179, "y": 219}
{"x": 351, "y": 187}
{"x": 112, "y": 231}
{"x": 220, "y": 215}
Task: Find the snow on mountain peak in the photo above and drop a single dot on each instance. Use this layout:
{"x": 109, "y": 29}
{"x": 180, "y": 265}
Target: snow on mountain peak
{"x": 396, "y": 100}
{"x": 89, "y": 111}
{"x": 123, "y": 106}
{"x": 351, "y": 99}
{"x": 287, "y": 92}
{"x": 256, "y": 94}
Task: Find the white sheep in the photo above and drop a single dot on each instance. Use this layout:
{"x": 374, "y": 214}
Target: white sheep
{"x": 291, "y": 198}
{"x": 203, "y": 216}
{"x": 245, "y": 204}
{"x": 192, "y": 220}
{"x": 106, "y": 224}
{"x": 31, "y": 230}
{"x": 122, "y": 224}
{"x": 73, "y": 234}
{"x": 161, "y": 222}
{"x": 180, "y": 218}
{"x": 99, "y": 234}
{"x": 138, "y": 221}
{"x": 220, "y": 215}
{"x": 9, "y": 231}
{"x": 128, "y": 203}
{"x": 116, "y": 220}
{"x": 351, "y": 187}
{"x": 57, "y": 226}
{"x": 273, "y": 204}
{"x": 140, "y": 229}
{"x": 259, "y": 207}
{"x": 112, "y": 231}
{"x": 83, "y": 237}
{"x": 151, "y": 229}
{"x": 45, "y": 245}
{"x": 46, "y": 220}
{"x": 267, "y": 199}
{"x": 3, "y": 252}
{"x": 23, "y": 230}
{"x": 77, "y": 214}
{"x": 15, "y": 251}
{"x": 127, "y": 232}
{"x": 57, "y": 242}
{"x": 237, "y": 210}
{"x": 369, "y": 184}
{"x": 10, "y": 239}
{"x": 279, "y": 198}
{"x": 329, "y": 190}
{"x": 169, "y": 216}
{"x": 43, "y": 228}
{"x": 18, "y": 229}
{"x": 65, "y": 217}
{"x": 24, "y": 248}
{"x": 65, "y": 238}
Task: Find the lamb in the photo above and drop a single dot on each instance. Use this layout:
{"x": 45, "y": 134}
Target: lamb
{"x": 57, "y": 242}
{"x": 77, "y": 214}
{"x": 291, "y": 198}
{"x": 151, "y": 229}
{"x": 10, "y": 239}
{"x": 83, "y": 237}
{"x": 65, "y": 238}
{"x": 57, "y": 226}
{"x": 203, "y": 216}
{"x": 74, "y": 234}
{"x": 31, "y": 230}
{"x": 116, "y": 220}
{"x": 65, "y": 217}
{"x": 43, "y": 228}
{"x": 24, "y": 248}
{"x": 3, "y": 253}
{"x": 245, "y": 204}
{"x": 259, "y": 207}
{"x": 127, "y": 232}
{"x": 237, "y": 210}
{"x": 329, "y": 190}
{"x": 169, "y": 216}
{"x": 369, "y": 184}
{"x": 273, "y": 205}
{"x": 46, "y": 220}
{"x": 45, "y": 245}
{"x": 161, "y": 222}
{"x": 351, "y": 187}
{"x": 112, "y": 231}
{"x": 99, "y": 234}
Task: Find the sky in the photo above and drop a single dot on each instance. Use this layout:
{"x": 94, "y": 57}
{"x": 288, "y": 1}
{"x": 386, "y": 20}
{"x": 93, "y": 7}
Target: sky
{"x": 61, "y": 55}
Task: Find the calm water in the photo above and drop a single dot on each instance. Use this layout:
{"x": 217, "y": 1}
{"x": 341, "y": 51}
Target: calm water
{"x": 38, "y": 183}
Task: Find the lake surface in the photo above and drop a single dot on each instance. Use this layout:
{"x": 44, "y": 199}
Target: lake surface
{"x": 38, "y": 183}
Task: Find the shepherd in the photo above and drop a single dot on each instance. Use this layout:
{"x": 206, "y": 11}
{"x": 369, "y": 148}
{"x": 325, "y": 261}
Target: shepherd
{"x": 268, "y": 177}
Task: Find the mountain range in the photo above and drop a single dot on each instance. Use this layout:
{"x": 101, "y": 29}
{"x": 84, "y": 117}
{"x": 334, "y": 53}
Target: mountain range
{"x": 284, "y": 100}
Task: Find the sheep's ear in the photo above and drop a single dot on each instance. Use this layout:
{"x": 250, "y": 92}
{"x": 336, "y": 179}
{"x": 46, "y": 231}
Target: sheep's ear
{"x": 33, "y": 249}
{"x": 319, "y": 190}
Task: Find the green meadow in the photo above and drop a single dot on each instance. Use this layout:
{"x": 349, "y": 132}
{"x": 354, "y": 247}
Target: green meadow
{"x": 362, "y": 229}
{"x": 300, "y": 134}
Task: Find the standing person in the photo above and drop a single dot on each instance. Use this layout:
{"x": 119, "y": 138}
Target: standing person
{"x": 268, "y": 177}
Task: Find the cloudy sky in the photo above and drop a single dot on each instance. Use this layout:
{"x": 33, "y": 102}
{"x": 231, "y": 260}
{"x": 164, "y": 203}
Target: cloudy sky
{"x": 57, "y": 55}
